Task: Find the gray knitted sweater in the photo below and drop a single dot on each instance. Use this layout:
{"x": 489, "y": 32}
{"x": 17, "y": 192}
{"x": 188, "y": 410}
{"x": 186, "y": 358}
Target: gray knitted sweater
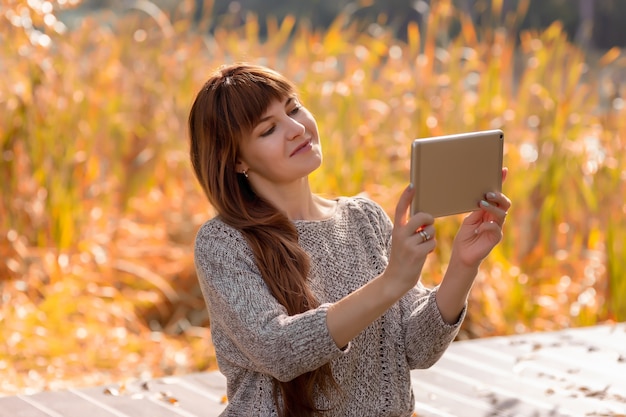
{"x": 256, "y": 340}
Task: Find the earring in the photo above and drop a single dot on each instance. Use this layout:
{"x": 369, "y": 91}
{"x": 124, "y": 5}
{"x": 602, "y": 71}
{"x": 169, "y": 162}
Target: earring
{"x": 245, "y": 173}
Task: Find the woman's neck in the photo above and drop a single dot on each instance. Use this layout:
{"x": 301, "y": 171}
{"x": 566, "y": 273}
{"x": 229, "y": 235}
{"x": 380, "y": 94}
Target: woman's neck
{"x": 299, "y": 203}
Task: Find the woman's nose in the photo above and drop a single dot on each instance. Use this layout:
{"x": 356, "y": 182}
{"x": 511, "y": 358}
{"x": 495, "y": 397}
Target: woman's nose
{"x": 296, "y": 129}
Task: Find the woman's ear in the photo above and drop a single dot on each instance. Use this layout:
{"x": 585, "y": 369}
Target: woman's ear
{"x": 240, "y": 167}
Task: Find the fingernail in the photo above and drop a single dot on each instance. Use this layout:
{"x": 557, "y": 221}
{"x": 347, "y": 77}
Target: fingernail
{"x": 411, "y": 186}
{"x": 484, "y": 203}
{"x": 491, "y": 195}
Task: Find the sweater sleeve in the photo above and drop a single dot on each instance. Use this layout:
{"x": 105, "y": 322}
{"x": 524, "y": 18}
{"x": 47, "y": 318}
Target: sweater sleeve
{"x": 427, "y": 335}
{"x": 251, "y": 329}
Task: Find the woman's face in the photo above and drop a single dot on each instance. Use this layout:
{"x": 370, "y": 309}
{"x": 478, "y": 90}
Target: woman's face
{"x": 283, "y": 147}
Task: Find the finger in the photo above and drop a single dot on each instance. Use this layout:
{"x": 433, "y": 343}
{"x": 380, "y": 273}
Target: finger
{"x": 426, "y": 247}
{"x": 421, "y": 246}
{"x": 402, "y": 208}
{"x": 473, "y": 217}
{"x": 491, "y": 228}
{"x": 492, "y": 207}
{"x": 499, "y": 200}
{"x": 505, "y": 171}
{"x": 498, "y": 213}
{"x": 425, "y": 234}
{"x": 420, "y": 221}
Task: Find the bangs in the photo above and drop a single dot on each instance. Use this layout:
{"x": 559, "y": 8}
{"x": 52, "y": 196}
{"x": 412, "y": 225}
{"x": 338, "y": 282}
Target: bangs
{"x": 246, "y": 95}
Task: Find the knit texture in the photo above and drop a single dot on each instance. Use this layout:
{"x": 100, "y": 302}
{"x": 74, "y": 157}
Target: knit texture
{"x": 256, "y": 340}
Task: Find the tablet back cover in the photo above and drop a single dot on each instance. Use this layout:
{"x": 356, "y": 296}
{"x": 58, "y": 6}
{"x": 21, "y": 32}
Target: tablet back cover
{"x": 451, "y": 174}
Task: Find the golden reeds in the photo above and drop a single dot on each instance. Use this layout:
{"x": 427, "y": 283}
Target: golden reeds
{"x": 98, "y": 207}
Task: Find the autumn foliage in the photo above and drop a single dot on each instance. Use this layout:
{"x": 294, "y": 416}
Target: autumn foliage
{"x": 98, "y": 206}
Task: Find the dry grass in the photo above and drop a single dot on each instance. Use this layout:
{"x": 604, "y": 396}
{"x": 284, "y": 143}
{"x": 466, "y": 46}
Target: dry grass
{"x": 98, "y": 208}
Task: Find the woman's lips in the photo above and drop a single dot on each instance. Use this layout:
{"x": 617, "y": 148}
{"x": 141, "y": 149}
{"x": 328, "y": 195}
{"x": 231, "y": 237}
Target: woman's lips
{"x": 305, "y": 146}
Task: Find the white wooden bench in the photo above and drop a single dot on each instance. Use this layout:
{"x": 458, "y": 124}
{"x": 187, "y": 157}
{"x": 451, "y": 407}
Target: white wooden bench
{"x": 576, "y": 372}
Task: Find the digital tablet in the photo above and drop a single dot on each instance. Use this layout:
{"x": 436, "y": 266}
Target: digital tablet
{"x": 451, "y": 174}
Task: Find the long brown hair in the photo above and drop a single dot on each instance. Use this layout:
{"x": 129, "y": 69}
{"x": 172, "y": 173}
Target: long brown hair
{"x": 226, "y": 109}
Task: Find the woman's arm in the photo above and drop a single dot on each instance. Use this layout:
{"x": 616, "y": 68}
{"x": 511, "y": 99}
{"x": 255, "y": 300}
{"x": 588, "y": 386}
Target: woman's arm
{"x": 351, "y": 315}
{"x": 250, "y": 329}
{"x": 433, "y": 319}
{"x": 479, "y": 233}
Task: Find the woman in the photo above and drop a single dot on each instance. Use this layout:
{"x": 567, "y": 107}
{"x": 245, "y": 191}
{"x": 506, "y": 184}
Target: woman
{"x": 316, "y": 305}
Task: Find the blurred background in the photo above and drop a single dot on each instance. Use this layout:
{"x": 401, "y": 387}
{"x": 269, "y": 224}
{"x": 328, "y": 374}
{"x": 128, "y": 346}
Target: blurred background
{"x": 99, "y": 208}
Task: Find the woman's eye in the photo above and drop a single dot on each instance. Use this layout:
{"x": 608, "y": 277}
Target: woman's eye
{"x": 268, "y": 131}
{"x": 294, "y": 111}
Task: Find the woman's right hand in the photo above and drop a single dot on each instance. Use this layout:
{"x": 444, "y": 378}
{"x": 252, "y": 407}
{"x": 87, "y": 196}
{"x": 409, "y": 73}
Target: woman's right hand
{"x": 412, "y": 240}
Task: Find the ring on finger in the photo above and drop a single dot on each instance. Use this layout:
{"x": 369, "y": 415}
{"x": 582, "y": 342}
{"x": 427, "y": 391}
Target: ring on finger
{"x": 424, "y": 234}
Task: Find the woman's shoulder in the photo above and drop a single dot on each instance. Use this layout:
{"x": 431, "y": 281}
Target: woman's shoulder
{"x": 363, "y": 204}
{"x": 216, "y": 232}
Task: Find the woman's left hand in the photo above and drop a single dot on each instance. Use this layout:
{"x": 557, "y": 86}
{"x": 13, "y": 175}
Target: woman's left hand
{"x": 481, "y": 230}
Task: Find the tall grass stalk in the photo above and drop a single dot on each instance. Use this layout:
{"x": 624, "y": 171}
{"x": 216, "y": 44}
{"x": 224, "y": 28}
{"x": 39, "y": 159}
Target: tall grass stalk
{"x": 98, "y": 206}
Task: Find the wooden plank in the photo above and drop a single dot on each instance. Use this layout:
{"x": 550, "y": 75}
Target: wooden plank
{"x": 528, "y": 374}
{"x": 499, "y": 389}
{"x": 214, "y": 382}
{"x": 591, "y": 362}
{"x": 130, "y": 404}
{"x": 437, "y": 394}
{"x": 193, "y": 397}
{"x": 499, "y": 392}
{"x": 565, "y": 361}
{"x": 66, "y": 404}
{"x": 568, "y": 364}
{"x": 15, "y": 406}
{"x": 574, "y": 372}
